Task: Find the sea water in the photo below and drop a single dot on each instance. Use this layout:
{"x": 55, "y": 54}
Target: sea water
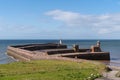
{"x": 112, "y": 46}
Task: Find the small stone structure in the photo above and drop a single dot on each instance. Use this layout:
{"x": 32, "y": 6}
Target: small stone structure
{"x": 76, "y": 48}
{"x": 57, "y": 51}
{"x": 96, "y": 48}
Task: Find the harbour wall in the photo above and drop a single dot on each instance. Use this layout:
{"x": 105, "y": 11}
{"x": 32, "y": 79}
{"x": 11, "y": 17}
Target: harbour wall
{"x": 25, "y": 55}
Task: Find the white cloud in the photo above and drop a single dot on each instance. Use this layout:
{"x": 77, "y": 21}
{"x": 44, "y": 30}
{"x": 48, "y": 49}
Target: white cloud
{"x": 103, "y": 31}
{"x": 62, "y": 15}
{"x": 101, "y": 24}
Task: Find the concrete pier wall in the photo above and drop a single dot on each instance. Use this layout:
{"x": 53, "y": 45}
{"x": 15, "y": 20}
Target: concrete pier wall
{"x": 19, "y": 53}
{"x": 35, "y": 47}
{"x": 90, "y": 56}
{"x": 40, "y": 51}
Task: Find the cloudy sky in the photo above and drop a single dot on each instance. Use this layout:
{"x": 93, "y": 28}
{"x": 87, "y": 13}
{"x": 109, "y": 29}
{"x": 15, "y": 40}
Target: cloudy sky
{"x": 59, "y": 19}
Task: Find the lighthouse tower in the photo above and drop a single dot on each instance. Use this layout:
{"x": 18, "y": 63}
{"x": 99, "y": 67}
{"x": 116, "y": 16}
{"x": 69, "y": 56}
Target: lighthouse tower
{"x": 60, "y": 42}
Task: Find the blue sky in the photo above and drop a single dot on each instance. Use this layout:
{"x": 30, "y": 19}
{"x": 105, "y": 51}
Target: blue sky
{"x": 59, "y": 19}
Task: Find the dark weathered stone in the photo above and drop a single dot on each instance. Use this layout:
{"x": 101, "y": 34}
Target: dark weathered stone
{"x": 50, "y": 50}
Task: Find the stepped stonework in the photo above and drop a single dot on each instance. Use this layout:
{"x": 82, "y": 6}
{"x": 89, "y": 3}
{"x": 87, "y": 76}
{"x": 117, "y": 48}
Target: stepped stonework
{"x": 56, "y": 51}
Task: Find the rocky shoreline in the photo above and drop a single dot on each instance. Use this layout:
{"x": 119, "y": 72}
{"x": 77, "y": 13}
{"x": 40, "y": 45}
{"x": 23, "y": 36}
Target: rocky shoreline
{"x": 111, "y": 75}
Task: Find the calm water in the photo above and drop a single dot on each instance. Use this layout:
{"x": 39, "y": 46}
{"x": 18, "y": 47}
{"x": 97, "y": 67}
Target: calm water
{"x": 112, "y": 46}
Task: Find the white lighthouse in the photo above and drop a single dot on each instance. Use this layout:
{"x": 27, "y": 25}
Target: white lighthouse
{"x": 60, "y": 42}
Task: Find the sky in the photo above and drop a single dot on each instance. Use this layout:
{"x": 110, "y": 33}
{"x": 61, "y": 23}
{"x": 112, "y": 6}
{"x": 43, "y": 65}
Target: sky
{"x": 59, "y": 19}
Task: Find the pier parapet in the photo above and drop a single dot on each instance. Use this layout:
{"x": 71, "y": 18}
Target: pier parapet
{"x": 52, "y": 50}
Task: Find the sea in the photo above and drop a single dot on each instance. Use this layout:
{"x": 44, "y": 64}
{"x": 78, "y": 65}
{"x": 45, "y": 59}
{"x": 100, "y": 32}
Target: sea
{"x": 112, "y": 46}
